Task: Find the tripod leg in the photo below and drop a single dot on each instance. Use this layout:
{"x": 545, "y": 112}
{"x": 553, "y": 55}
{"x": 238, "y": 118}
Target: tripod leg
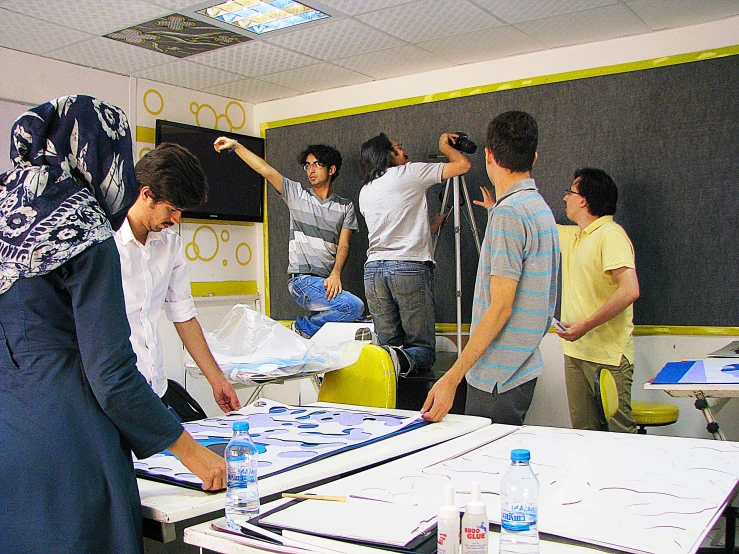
{"x": 473, "y": 223}
{"x": 442, "y": 209}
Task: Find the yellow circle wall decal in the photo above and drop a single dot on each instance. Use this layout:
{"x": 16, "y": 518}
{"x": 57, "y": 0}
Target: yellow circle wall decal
{"x": 238, "y": 255}
{"x": 193, "y": 248}
{"x": 225, "y": 263}
{"x": 144, "y": 151}
{"x": 150, "y": 104}
{"x": 225, "y": 235}
{"x": 205, "y": 115}
{"x": 235, "y": 112}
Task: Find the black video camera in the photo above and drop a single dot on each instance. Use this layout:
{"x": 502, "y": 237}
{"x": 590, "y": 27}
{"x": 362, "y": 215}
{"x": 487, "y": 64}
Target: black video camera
{"x": 464, "y": 144}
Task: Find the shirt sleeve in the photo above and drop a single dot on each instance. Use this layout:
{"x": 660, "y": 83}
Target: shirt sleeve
{"x": 93, "y": 280}
{"x": 178, "y": 303}
{"x": 350, "y": 218}
{"x": 506, "y": 240}
{"x": 617, "y": 251}
{"x": 426, "y": 174}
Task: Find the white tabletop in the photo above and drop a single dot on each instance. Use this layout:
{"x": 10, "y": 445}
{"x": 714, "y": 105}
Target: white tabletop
{"x": 165, "y": 503}
{"x": 710, "y": 390}
{"x": 674, "y": 465}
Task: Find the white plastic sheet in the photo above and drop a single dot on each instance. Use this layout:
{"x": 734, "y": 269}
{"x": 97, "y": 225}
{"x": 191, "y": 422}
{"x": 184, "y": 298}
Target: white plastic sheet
{"x": 250, "y": 347}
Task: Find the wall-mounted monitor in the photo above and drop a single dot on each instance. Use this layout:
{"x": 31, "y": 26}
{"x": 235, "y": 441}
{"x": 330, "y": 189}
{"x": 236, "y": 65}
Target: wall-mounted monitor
{"x": 235, "y": 191}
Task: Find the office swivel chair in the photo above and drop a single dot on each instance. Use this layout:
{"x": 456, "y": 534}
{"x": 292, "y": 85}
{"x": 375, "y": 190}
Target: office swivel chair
{"x": 606, "y": 396}
{"x": 370, "y": 381}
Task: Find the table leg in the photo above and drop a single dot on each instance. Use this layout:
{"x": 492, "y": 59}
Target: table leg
{"x": 701, "y": 403}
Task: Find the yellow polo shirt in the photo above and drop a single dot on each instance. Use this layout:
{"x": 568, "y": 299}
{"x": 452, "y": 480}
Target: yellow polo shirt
{"x": 587, "y": 255}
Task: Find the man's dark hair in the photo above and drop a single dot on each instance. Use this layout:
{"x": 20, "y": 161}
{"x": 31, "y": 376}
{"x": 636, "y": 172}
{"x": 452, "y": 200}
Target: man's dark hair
{"x": 375, "y": 157}
{"x": 512, "y": 138}
{"x": 174, "y": 176}
{"x": 327, "y": 155}
{"x": 597, "y": 187}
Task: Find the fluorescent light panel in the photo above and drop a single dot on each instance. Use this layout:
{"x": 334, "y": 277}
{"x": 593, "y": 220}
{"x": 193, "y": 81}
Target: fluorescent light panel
{"x": 262, "y": 16}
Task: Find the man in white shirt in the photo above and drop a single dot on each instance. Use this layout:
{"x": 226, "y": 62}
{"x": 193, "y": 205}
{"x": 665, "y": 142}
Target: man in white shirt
{"x": 154, "y": 268}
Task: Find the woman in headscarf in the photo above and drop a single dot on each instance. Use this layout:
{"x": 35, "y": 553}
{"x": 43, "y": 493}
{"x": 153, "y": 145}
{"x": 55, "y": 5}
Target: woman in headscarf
{"x": 72, "y": 403}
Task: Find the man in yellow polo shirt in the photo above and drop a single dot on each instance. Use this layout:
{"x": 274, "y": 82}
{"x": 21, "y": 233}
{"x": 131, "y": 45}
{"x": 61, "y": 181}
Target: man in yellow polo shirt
{"x": 599, "y": 287}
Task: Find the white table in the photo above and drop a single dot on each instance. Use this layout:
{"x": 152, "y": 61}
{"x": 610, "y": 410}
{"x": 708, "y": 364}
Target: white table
{"x": 701, "y": 392}
{"x": 668, "y": 468}
{"x": 165, "y": 505}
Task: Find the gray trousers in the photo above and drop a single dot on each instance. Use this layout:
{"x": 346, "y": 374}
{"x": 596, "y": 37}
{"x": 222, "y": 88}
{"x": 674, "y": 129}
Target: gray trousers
{"x": 508, "y": 407}
{"x": 580, "y": 381}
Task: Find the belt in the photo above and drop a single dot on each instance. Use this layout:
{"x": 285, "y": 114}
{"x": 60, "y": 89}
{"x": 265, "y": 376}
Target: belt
{"x": 294, "y": 275}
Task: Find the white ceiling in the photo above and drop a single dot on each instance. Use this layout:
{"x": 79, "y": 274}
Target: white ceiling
{"x": 363, "y": 40}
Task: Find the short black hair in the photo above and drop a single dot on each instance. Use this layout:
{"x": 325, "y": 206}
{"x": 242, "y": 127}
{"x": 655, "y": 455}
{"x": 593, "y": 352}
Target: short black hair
{"x": 327, "y": 155}
{"x": 375, "y": 156}
{"x": 597, "y": 187}
{"x": 174, "y": 175}
{"x": 512, "y": 138}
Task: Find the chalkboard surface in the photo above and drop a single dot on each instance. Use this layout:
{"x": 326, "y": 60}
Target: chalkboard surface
{"x": 668, "y": 136}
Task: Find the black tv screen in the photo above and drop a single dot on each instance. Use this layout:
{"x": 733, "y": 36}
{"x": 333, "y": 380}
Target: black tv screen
{"x": 235, "y": 191}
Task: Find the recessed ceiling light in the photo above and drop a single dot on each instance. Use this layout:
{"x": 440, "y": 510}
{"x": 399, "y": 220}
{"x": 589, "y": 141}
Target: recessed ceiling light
{"x": 262, "y": 16}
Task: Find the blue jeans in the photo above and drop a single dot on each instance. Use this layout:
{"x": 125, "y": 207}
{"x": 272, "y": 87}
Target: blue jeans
{"x": 400, "y": 297}
{"x": 309, "y": 292}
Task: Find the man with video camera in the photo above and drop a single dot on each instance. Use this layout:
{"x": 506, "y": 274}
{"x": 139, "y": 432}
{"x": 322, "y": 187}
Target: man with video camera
{"x": 399, "y": 273}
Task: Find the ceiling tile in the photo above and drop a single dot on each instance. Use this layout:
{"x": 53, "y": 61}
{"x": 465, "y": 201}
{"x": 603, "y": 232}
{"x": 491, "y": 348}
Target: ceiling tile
{"x": 355, "y": 7}
{"x": 416, "y": 21}
{"x": 103, "y": 53}
{"x": 480, "y": 46}
{"x": 527, "y": 10}
{"x": 394, "y": 62}
{"x": 666, "y": 14}
{"x": 329, "y": 40}
{"x": 28, "y": 34}
{"x": 254, "y": 58}
{"x": 176, "y": 5}
{"x": 98, "y": 17}
{"x": 187, "y": 74}
{"x": 589, "y": 26}
{"x": 321, "y": 76}
{"x": 253, "y": 91}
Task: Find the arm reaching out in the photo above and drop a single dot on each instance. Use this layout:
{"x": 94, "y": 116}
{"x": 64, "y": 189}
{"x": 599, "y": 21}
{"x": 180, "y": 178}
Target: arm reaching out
{"x": 252, "y": 160}
{"x": 207, "y": 465}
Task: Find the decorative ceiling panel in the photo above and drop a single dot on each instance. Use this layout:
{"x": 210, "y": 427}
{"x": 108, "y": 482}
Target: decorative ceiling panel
{"x": 177, "y": 35}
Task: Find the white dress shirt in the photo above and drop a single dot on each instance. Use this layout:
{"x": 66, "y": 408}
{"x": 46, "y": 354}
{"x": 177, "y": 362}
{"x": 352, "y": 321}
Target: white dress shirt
{"x": 154, "y": 276}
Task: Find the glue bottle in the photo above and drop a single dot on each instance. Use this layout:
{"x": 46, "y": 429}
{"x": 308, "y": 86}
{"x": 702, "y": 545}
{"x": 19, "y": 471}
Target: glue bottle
{"x": 475, "y": 524}
{"x": 447, "y": 525}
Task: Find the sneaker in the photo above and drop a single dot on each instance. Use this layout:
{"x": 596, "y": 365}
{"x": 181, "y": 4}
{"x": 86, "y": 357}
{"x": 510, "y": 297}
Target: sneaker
{"x": 365, "y": 333}
{"x": 294, "y": 328}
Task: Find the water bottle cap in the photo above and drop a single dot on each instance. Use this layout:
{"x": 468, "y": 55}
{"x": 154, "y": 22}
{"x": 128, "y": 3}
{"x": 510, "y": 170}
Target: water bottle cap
{"x": 520, "y": 455}
{"x": 241, "y": 426}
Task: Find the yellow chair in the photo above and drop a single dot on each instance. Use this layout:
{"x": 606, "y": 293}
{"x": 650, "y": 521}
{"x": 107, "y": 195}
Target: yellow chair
{"x": 606, "y": 396}
{"x": 657, "y": 414}
{"x": 370, "y": 381}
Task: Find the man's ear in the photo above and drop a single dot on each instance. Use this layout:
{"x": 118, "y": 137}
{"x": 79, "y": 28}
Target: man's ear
{"x": 332, "y": 170}
{"x": 145, "y": 194}
{"x": 536, "y": 157}
{"x": 489, "y": 158}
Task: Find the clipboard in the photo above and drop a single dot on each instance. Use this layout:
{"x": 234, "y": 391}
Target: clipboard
{"x": 425, "y": 543}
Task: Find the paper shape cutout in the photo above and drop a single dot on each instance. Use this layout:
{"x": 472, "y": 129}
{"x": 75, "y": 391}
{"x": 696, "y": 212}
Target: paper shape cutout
{"x": 286, "y": 437}
{"x": 712, "y": 371}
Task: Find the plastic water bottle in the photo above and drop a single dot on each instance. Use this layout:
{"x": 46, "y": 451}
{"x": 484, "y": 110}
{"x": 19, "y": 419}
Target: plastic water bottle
{"x": 519, "y": 501}
{"x": 242, "y": 492}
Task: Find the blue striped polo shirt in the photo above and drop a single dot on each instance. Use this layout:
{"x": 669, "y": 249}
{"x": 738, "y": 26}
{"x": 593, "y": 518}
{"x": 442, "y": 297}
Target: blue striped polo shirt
{"x": 521, "y": 243}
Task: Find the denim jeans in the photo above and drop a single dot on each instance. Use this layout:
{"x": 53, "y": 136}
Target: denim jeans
{"x": 309, "y": 292}
{"x": 400, "y": 297}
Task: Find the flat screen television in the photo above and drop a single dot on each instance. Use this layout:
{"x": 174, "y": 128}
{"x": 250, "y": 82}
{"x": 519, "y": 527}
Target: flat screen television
{"x": 235, "y": 191}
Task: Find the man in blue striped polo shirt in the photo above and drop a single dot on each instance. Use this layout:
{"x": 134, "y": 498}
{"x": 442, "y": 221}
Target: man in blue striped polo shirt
{"x": 516, "y": 286}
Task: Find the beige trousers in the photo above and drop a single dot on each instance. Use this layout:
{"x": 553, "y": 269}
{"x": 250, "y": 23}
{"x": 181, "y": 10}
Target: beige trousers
{"x": 580, "y": 381}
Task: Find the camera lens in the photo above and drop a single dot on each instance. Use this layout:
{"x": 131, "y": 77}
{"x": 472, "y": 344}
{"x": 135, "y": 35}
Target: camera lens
{"x": 464, "y": 144}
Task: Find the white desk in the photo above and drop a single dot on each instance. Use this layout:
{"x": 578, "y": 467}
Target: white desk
{"x": 164, "y": 505}
{"x": 644, "y": 466}
{"x": 701, "y": 392}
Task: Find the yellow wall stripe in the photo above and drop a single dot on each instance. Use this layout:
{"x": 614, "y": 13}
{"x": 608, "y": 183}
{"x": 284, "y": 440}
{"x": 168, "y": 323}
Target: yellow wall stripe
{"x": 217, "y": 222}
{"x": 223, "y": 288}
{"x": 520, "y": 83}
{"x": 146, "y": 134}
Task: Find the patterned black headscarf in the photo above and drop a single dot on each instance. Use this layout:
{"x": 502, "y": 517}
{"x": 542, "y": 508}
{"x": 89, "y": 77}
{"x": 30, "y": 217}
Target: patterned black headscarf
{"x": 71, "y": 187}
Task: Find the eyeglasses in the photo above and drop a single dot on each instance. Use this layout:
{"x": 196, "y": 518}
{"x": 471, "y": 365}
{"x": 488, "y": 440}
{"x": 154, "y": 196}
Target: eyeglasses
{"x": 570, "y": 191}
{"x": 314, "y": 165}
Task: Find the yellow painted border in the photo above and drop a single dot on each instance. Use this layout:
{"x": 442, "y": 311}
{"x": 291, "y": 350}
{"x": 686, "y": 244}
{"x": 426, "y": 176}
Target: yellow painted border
{"x": 146, "y": 134}
{"x": 223, "y": 288}
{"x": 510, "y": 85}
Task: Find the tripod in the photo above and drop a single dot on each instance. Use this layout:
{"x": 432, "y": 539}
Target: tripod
{"x": 453, "y": 184}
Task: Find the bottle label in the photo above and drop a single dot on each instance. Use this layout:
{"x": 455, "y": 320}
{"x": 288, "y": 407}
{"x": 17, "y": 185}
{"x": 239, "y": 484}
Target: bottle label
{"x": 518, "y": 517}
{"x": 241, "y": 475}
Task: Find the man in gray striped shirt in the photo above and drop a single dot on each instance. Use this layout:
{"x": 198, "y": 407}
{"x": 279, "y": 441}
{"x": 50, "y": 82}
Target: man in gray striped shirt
{"x": 321, "y": 224}
{"x": 516, "y": 287}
